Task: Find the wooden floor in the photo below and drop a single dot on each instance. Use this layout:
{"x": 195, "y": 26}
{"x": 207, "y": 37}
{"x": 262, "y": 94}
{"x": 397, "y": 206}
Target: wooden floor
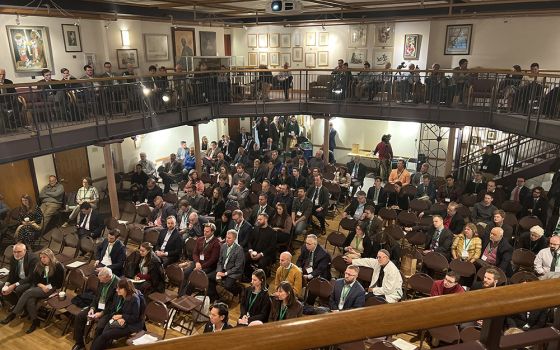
{"x": 12, "y": 336}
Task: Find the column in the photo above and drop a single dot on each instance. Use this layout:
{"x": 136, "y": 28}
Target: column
{"x": 111, "y": 184}
{"x": 326, "y": 130}
{"x": 450, "y": 151}
{"x": 197, "y": 149}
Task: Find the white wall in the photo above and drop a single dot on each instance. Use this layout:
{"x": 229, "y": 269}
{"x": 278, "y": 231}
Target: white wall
{"x": 44, "y": 167}
{"x": 402, "y": 28}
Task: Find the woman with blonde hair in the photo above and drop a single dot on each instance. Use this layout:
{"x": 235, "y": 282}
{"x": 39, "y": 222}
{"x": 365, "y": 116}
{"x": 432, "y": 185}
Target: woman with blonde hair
{"x": 47, "y": 278}
{"x": 467, "y": 245}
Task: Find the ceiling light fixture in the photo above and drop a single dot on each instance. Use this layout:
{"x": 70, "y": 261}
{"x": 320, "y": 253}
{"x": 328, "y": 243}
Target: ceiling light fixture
{"x": 18, "y": 21}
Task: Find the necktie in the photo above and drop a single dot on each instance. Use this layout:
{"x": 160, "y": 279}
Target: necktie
{"x": 109, "y": 248}
{"x": 355, "y": 171}
{"x": 21, "y": 270}
{"x": 376, "y": 196}
{"x": 435, "y": 240}
{"x": 315, "y": 195}
{"x": 557, "y": 229}
{"x": 85, "y": 221}
{"x": 516, "y": 194}
{"x": 379, "y": 282}
{"x": 554, "y": 262}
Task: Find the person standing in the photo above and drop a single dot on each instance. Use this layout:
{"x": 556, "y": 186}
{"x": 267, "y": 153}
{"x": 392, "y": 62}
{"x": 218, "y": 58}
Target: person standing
{"x": 491, "y": 163}
{"x": 385, "y": 156}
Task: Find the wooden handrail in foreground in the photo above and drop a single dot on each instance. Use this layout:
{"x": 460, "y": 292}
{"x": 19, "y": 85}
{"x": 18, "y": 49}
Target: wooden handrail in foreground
{"x": 338, "y": 328}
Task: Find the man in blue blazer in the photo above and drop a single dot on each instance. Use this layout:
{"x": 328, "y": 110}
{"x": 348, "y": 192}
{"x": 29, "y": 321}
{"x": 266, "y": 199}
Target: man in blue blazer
{"x": 111, "y": 253}
{"x": 169, "y": 245}
{"x": 348, "y": 293}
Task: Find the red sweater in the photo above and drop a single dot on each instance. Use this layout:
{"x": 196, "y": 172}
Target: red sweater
{"x": 438, "y": 289}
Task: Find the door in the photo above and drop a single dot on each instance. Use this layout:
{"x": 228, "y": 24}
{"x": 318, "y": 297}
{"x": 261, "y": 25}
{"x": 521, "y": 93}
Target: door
{"x": 20, "y": 182}
{"x": 71, "y": 167}
{"x": 227, "y": 44}
{"x": 233, "y": 129}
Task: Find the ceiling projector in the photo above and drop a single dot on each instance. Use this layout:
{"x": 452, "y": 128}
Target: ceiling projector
{"x": 284, "y": 7}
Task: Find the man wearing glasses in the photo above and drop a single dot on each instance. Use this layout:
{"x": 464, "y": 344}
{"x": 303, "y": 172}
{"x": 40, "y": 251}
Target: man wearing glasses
{"x": 22, "y": 265}
{"x": 448, "y": 285}
{"x": 347, "y": 293}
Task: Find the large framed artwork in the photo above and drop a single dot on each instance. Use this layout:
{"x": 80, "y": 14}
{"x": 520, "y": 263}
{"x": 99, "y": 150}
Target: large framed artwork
{"x": 381, "y": 57}
{"x": 274, "y": 40}
{"x": 184, "y": 45}
{"x": 72, "y": 38}
{"x": 323, "y": 38}
{"x": 357, "y": 36}
{"x": 208, "y": 44}
{"x": 252, "y": 40}
{"x": 384, "y": 35}
{"x": 297, "y": 54}
{"x": 411, "y": 49}
{"x": 156, "y": 47}
{"x": 126, "y": 57}
{"x": 323, "y": 58}
{"x": 357, "y": 57}
{"x": 252, "y": 59}
{"x": 458, "y": 39}
{"x": 310, "y": 60}
{"x": 286, "y": 57}
{"x": 30, "y": 48}
{"x": 285, "y": 40}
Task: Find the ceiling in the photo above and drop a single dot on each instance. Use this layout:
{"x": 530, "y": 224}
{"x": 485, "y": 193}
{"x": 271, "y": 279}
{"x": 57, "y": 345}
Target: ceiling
{"x": 248, "y": 12}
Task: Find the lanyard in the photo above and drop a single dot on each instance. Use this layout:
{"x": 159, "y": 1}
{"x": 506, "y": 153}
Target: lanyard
{"x": 252, "y": 299}
{"x": 105, "y": 289}
{"x": 286, "y": 272}
{"x": 358, "y": 241}
{"x": 489, "y": 248}
{"x": 466, "y": 243}
{"x": 228, "y": 251}
{"x": 283, "y": 311}
{"x": 47, "y": 275}
{"x": 119, "y": 306}
{"x": 345, "y": 291}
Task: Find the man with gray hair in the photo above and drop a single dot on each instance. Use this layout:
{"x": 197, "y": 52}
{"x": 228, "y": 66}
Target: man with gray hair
{"x": 148, "y": 166}
{"x": 22, "y": 264}
{"x": 169, "y": 245}
{"x": 496, "y": 251}
{"x": 230, "y": 266}
{"x": 104, "y": 299}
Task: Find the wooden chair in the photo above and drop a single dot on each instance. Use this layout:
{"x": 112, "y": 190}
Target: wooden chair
{"x": 523, "y": 259}
{"x": 73, "y": 310}
{"x": 420, "y": 285}
{"x": 188, "y": 308}
{"x": 502, "y": 279}
{"x": 176, "y": 279}
{"x": 321, "y": 288}
{"x": 523, "y": 276}
{"x": 339, "y": 264}
{"x": 465, "y": 269}
{"x": 435, "y": 264}
{"x": 156, "y": 313}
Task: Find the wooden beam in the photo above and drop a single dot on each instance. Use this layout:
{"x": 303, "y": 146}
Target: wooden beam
{"x": 111, "y": 184}
{"x": 197, "y": 152}
{"x": 326, "y": 131}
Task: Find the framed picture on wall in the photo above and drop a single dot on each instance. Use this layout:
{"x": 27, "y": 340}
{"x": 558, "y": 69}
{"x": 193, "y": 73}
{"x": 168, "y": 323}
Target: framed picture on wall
{"x": 252, "y": 59}
{"x": 323, "y": 38}
{"x": 72, "y": 38}
{"x": 286, "y": 40}
{"x": 263, "y": 40}
{"x": 30, "y": 48}
{"x": 357, "y": 35}
{"x": 384, "y": 35}
{"x": 263, "y": 58}
{"x": 458, "y": 39}
{"x": 90, "y": 59}
{"x": 381, "y": 57}
{"x": 251, "y": 40}
{"x": 274, "y": 40}
{"x": 411, "y": 49}
{"x": 357, "y": 57}
{"x": 297, "y": 54}
{"x": 274, "y": 59}
{"x": 156, "y": 47}
{"x": 310, "y": 60}
{"x": 184, "y": 45}
{"x": 310, "y": 39}
{"x": 491, "y": 135}
{"x": 323, "y": 58}
{"x": 286, "y": 57}
{"x": 126, "y": 57}
{"x": 208, "y": 44}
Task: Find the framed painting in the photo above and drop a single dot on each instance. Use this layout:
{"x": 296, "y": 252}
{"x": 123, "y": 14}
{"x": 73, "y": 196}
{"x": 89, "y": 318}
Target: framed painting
{"x": 286, "y": 57}
{"x": 274, "y": 59}
{"x": 30, "y": 48}
{"x": 310, "y": 60}
{"x": 297, "y": 54}
{"x": 285, "y": 40}
{"x": 310, "y": 39}
{"x": 263, "y": 40}
{"x": 323, "y": 38}
{"x": 72, "y": 38}
{"x": 184, "y": 45}
{"x": 90, "y": 59}
{"x": 458, "y": 39}
{"x": 251, "y": 40}
{"x": 323, "y": 58}
{"x": 491, "y": 135}
{"x": 263, "y": 58}
{"x": 381, "y": 57}
{"x": 357, "y": 57}
{"x": 252, "y": 59}
{"x": 384, "y": 35}
{"x": 208, "y": 43}
{"x": 126, "y": 57}
{"x": 357, "y": 35}
{"x": 156, "y": 47}
{"x": 274, "y": 40}
{"x": 411, "y": 49}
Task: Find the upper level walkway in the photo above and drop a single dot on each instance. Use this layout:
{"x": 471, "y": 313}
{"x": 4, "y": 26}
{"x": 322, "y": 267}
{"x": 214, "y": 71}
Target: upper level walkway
{"x": 40, "y": 118}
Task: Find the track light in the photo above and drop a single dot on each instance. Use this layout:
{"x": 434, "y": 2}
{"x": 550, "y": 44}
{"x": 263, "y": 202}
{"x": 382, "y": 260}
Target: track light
{"x": 18, "y": 21}
{"x": 146, "y": 91}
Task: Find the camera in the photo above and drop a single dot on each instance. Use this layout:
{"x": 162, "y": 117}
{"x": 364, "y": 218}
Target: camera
{"x": 284, "y": 7}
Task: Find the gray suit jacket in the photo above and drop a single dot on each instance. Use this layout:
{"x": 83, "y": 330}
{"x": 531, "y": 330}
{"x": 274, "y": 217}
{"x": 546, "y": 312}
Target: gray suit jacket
{"x": 235, "y": 263}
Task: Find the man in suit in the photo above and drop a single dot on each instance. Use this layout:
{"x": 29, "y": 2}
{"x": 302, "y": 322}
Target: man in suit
{"x": 426, "y": 189}
{"x": 296, "y": 180}
{"x": 451, "y": 218}
{"x": 417, "y": 177}
{"x": 231, "y": 265}
{"x": 377, "y": 195}
{"x": 497, "y": 193}
{"x": 171, "y": 172}
{"x": 111, "y": 253}
{"x": 257, "y": 173}
{"x": 196, "y": 226}
{"x": 319, "y": 196}
{"x": 314, "y": 261}
{"x": 240, "y": 158}
{"x": 332, "y": 138}
{"x": 496, "y": 251}
{"x": 347, "y": 293}
{"x": 261, "y": 247}
{"x": 169, "y": 245}
{"x": 284, "y": 195}
{"x": 491, "y": 163}
{"x": 536, "y": 205}
{"x": 373, "y": 224}
{"x": 520, "y": 192}
{"x": 438, "y": 238}
{"x": 89, "y": 222}
{"x": 162, "y": 210}
{"x": 261, "y": 207}
{"x": 228, "y": 147}
{"x": 301, "y": 212}
{"x": 242, "y": 226}
{"x": 356, "y": 208}
{"x": 243, "y": 137}
{"x": 22, "y": 265}
{"x": 358, "y": 173}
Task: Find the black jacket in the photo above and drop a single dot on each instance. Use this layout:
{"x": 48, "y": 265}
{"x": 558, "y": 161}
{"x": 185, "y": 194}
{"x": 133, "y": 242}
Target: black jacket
{"x": 259, "y": 309}
{"x": 491, "y": 163}
{"x": 381, "y": 198}
{"x": 323, "y": 196}
{"x": 96, "y": 223}
{"x": 254, "y": 213}
{"x": 166, "y": 211}
{"x": 243, "y": 233}
{"x": 296, "y": 183}
{"x": 361, "y": 174}
{"x": 56, "y": 279}
{"x": 474, "y": 187}
{"x": 111, "y": 294}
{"x": 366, "y": 243}
{"x": 444, "y": 242}
{"x": 352, "y": 207}
{"x": 503, "y": 254}
{"x": 118, "y": 255}
{"x": 216, "y": 209}
{"x": 174, "y": 246}
{"x": 30, "y": 260}
{"x": 321, "y": 262}
{"x": 539, "y": 208}
{"x": 524, "y": 241}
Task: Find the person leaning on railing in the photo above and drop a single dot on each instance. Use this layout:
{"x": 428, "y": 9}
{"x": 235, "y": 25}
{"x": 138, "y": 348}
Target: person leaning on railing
{"x": 436, "y": 85}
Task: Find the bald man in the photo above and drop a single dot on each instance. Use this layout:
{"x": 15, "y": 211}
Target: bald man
{"x": 496, "y": 250}
{"x": 22, "y": 265}
{"x": 288, "y": 272}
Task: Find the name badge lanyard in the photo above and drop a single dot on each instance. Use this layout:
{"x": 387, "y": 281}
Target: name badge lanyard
{"x": 252, "y": 299}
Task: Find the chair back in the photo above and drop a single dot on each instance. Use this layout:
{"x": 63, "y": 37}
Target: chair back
{"x": 387, "y": 214}
{"x": 395, "y": 231}
{"x": 436, "y": 263}
{"x": 463, "y": 268}
{"x": 112, "y": 223}
{"x": 421, "y": 283}
{"x": 524, "y": 259}
{"x": 419, "y": 205}
{"x": 319, "y": 287}
{"x": 175, "y": 275}
{"x": 365, "y": 275}
{"x": 256, "y": 187}
{"x": 8, "y": 254}
{"x": 198, "y": 281}
{"x": 190, "y": 244}
{"x": 407, "y": 218}
{"x": 76, "y": 280}
{"x": 136, "y": 234}
{"x": 409, "y": 190}
{"x": 468, "y": 200}
{"x": 156, "y": 312}
{"x": 87, "y": 244}
{"x": 143, "y": 210}
{"x": 171, "y": 198}
{"x": 470, "y": 334}
{"x": 151, "y": 236}
{"x": 512, "y": 207}
{"x": 348, "y": 224}
{"x": 464, "y": 211}
{"x": 416, "y": 238}
{"x": 527, "y": 222}
{"x": 523, "y": 276}
{"x": 92, "y": 283}
{"x": 383, "y": 344}
{"x": 339, "y": 264}
{"x": 373, "y": 301}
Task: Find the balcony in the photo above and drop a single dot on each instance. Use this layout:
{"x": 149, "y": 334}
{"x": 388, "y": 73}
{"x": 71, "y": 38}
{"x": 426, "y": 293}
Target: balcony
{"x": 41, "y": 118}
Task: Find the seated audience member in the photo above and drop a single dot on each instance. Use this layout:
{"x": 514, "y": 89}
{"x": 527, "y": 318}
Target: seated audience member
{"x": 281, "y": 222}
{"x": 397, "y": 199}
{"x": 417, "y": 177}
{"x": 357, "y": 172}
{"x": 319, "y": 196}
{"x": 104, "y": 299}
{"x": 218, "y": 318}
{"x": 386, "y": 281}
{"x": 426, "y": 190}
{"x": 47, "y": 277}
{"x": 160, "y": 213}
{"x": 229, "y": 268}
{"x": 451, "y": 219}
{"x": 476, "y": 185}
{"x": 490, "y": 280}
{"x": 491, "y": 163}
{"x": 467, "y": 246}
{"x": 254, "y": 304}
{"x": 317, "y": 162}
{"x": 438, "y": 238}
{"x": 223, "y": 225}
{"x": 344, "y": 180}
{"x": 261, "y": 207}
{"x": 146, "y": 270}
{"x": 182, "y": 151}
{"x": 449, "y": 192}
{"x": 400, "y": 174}
{"x": 185, "y": 210}
{"x": 238, "y": 194}
{"x": 448, "y": 285}
{"x": 51, "y": 197}
{"x": 151, "y": 192}
{"x": 373, "y": 224}
{"x": 533, "y": 240}
{"x": 111, "y": 253}
{"x": 284, "y": 196}
{"x": 190, "y": 161}
{"x": 496, "y": 251}
{"x": 357, "y": 244}
{"x": 267, "y": 189}
{"x": 377, "y": 195}
{"x": 148, "y": 166}
{"x": 288, "y": 272}
{"x": 216, "y": 205}
{"x": 169, "y": 246}
{"x": 22, "y": 264}
{"x": 31, "y": 219}
{"x": 347, "y": 293}
{"x": 534, "y": 319}
{"x": 257, "y": 173}
{"x": 242, "y": 226}
{"x": 297, "y": 180}
{"x": 285, "y": 304}
{"x": 547, "y": 262}
{"x": 89, "y": 222}
{"x": 356, "y": 208}
{"x": 240, "y": 174}
{"x": 483, "y": 212}
{"x": 301, "y": 212}
{"x": 520, "y": 192}
{"x": 196, "y": 200}
{"x": 241, "y": 158}
{"x": 205, "y": 256}
{"x": 498, "y": 221}
{"x": 261, "y": 246}
{"x": 223, "y": 185}
{"x": 282, "y": 178}
{"x": 171, "y": 172}
{"x": 314, "y": 261}
{"x": 124, "y": 318}
{"x": 138, "y": 184}
{"x": 86, "y": 193}
{"x": 536, "y": 205}
{"x": 497, "y": 193}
